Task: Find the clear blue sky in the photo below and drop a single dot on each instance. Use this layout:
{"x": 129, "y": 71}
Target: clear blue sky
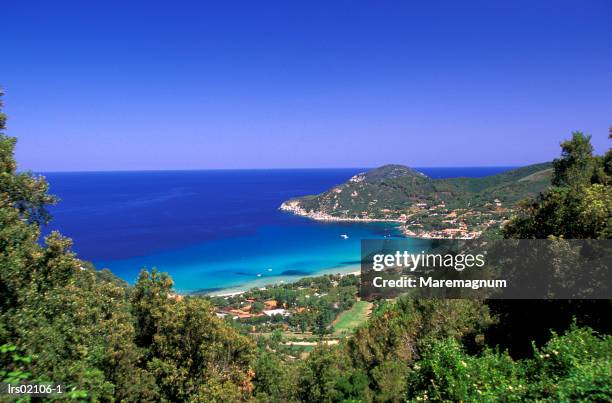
{"x": 275, "y": 84}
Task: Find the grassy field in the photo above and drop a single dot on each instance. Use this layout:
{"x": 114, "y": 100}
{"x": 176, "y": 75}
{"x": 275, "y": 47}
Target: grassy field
{"x": 347, "y": 321}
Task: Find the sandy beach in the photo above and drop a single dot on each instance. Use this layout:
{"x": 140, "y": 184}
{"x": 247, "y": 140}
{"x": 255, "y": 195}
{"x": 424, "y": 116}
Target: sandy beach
{"x": 276, "y": 280}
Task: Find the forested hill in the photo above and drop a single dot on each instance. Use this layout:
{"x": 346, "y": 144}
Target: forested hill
{"x": 392, "y": 191}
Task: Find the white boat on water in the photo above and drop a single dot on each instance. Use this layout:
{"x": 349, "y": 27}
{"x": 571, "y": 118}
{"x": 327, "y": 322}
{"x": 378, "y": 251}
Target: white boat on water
{"x": 344, "y": 236}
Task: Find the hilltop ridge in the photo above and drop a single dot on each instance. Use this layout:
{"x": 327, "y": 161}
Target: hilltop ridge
{"x": 427, "y": 207}
{"x": 389, "y": 171}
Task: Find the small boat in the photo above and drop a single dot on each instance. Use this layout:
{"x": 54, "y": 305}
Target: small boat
{"x": 258, "y": 274}
{"x": 344, "y": 236}
{"x": 269, "y": 269}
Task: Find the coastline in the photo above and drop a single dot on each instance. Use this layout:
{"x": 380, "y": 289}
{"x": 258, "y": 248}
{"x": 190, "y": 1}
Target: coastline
{"x": 293, "y": 206}
{"x": 341, "y": 270}
{"x": 354, "y": 269}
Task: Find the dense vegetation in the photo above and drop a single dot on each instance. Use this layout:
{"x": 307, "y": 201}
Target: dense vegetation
{"x": 578, "y": 204}
{"x": 63, "y": 321}
{"x": 390, "y": 191}
{"x": 311, "y": 303}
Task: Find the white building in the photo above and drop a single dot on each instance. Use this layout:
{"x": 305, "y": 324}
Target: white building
{"x": 272, "y": 312}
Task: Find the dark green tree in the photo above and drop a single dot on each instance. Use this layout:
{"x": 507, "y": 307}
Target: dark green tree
{"x": 275, "y": 380}
{"x": 88, "y": 330}
{"x": 190, "y": 352}
{"x": 257, "y": 307}
{"x": 578, "y": 206}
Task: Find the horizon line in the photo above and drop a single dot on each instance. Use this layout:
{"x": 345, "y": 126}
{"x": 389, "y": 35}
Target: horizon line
{"x": 268, "y": 169}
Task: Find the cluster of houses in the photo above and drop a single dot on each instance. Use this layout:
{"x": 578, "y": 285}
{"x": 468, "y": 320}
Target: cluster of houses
{"x": 271, "y": 308}
{"x": 455, "y": 220}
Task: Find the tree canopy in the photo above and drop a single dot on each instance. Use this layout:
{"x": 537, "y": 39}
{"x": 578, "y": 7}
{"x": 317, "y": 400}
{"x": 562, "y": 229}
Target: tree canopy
{"x": 87, "y": 330}
{"x": 63, "y": 321}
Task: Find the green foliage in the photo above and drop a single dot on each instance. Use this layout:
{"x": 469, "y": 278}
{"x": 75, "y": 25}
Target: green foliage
{"x": 404, "y": 329}
{"x": 150, "y": 302}
{"x": 447, "y": 373}
{"x": 391, "y": 190}
{"x": 87, "y": 330}
{"x": 24, "y": 191}
{"x": 193, "y": 348}
{"x": 257, "y": 307}
{"x": 190, "y": 351}
{"x": 580, "y": 204}
{"x": 373, "y": 365}
{"x": 588, "y": 382}
{"x": 390, "y": 380}
{"x": 576, "y": 165}
{"x": 275, "y": 380}
{"x": 13, "y": 365}
{"x": 327, "y": 375}
{"x": 573, "y": 367}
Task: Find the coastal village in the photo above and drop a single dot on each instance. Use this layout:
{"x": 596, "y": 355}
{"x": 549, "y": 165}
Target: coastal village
{"x": 245, "y": 309}
{"x": 425, "y": 220}
{"x": 307, "y": 312}
{"x": 440, "y": 222}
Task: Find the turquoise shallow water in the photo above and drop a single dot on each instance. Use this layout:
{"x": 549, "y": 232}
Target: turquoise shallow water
{"x": 272, "y": 254}
{"x": 211, "y": 229}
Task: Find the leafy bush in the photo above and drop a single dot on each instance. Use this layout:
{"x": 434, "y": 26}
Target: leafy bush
{"x": 572, "y": 367}
{"x": 447, "y": 373}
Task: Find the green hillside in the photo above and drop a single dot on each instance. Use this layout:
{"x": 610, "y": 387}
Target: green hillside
{"x": 393, "y": 190}
{"x": 428, "y": 208}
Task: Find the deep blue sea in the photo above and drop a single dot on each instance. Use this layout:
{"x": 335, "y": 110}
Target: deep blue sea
{"x": 211, "y": 229}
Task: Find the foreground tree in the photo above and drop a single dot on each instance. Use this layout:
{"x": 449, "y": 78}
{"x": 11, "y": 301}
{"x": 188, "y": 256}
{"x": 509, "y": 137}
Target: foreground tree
{"x": 76, "y": 329}
{"x": 191, "y": 353}
{"x": 572, "y": 367}
{"x": 87, "y": 330}
{"x": 577, "y": 206}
